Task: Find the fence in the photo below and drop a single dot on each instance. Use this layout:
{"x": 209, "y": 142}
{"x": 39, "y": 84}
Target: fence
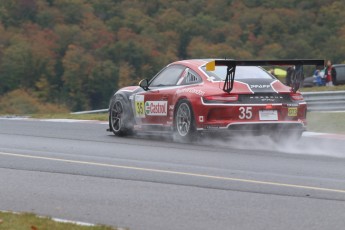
{"x": 325, "y": 101}
{"x": 92, "y": 111}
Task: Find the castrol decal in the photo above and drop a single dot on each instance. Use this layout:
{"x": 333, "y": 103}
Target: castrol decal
{"x": 156, "y": 108}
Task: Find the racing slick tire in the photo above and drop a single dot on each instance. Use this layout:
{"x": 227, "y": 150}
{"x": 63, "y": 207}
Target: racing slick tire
{"x": 120, "y": 121}
{"x": 184, "y": 122}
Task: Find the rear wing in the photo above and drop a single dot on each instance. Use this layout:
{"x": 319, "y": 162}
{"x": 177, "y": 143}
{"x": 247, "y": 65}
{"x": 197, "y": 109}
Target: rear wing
{"x": 297, "y": 75}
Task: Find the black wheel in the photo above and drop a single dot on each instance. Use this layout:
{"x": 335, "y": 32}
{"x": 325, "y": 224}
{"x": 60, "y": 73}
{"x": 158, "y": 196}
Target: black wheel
{"x": 184, "y": 124}
{"x": 120, "y": 121}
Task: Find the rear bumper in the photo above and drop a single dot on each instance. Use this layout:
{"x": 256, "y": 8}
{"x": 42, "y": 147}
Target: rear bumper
{"x": 256, "y": 128}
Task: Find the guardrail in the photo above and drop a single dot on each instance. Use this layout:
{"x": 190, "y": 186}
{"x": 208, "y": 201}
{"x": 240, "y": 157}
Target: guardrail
{"x": 316, "y": 101}
{"x": 92, "y": 111}
{"x": 325, "y": 101}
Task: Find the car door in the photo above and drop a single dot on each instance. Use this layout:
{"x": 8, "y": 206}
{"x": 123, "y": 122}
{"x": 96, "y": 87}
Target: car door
{"x": 152, "y": 106}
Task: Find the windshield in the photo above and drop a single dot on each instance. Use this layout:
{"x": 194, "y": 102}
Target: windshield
{"x": 241, "y": 72}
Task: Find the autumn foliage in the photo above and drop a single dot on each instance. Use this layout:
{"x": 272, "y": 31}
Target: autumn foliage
{"x": 77, "y": 53}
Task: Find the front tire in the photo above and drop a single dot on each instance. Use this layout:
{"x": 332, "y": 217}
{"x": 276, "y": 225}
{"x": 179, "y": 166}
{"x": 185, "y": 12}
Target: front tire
{"x": 184, "y": 123}
{"x": 120, "y": 121}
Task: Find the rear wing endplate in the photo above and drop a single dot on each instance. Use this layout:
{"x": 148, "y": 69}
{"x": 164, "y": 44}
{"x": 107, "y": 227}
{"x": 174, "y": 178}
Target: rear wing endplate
{"x": 297, "y": 75}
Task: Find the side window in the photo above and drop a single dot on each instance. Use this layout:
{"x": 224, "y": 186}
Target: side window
{"x": 168, "y": 76}
{"x": 191, "y": 78}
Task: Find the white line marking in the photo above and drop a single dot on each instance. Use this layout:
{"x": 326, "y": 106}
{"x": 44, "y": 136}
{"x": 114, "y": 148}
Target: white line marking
{"x": 176, "y": 173}
{"x": 54, "y": 219}
{"x": 72, "y": 222}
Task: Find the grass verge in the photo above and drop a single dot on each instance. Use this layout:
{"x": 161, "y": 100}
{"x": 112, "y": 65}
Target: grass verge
{"x": 95, "y": 116}
{"x": 326, "y": 122}
{"x": 25, "y": 221}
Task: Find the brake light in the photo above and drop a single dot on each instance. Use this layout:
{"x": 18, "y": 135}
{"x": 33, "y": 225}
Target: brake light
{"x": 222, "y": 98}
{"x": 296, "y": 96}
{"x": 269, "y": 106}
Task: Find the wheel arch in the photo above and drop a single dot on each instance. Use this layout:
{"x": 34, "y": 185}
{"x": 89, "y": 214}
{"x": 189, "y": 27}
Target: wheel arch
{"x": 122, "y": 94}
{"x": 182, "y": 97}
{"x": 194, "y": 102}
{"x": 191, "y": 105}
{"x": 125, "y": 96}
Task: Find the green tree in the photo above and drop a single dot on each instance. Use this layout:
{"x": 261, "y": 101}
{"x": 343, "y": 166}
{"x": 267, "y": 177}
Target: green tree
{"x": 102, "y": 84}
{"x": 78, "y": 67}
{"x": 27, "y": 58}
{"x": 80, "y": 51}
{"x": 73, "y": 10}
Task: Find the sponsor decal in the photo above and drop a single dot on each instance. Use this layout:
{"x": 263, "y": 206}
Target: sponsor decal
{"x": 191, "y": 90}
{"x": 139, "y": 106}
{"x": 268, "y": 115}
{"x": 171, "y": 107}
{"x": 201, "y": 118}
{"x": 260, "y": 86}
{"x": 292, "y": 112}
{"x": 292, "y": 105}
{"x": 266, "y": 98}
{"x": 156, "y": 108}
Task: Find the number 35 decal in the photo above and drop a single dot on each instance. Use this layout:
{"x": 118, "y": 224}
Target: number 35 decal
{"x": 245, "y": 113}
{"x": 139, "y": 106}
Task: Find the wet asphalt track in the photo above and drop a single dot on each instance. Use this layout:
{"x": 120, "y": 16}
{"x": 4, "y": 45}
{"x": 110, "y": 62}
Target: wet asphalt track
{"x": 78, "y": 171}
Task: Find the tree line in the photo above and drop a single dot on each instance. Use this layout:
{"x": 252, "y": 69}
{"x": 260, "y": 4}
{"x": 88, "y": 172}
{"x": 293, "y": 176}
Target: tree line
{"x": 78, "y": 52}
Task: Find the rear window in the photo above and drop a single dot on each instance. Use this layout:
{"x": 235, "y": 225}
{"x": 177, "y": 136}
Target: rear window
{"x": 242, "y": 72}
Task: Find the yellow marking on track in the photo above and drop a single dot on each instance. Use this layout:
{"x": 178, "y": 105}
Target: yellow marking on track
{"x": 175, "y": 173}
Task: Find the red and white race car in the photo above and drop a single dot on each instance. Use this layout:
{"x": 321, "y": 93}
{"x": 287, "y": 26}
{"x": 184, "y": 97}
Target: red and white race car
{"x": 191, "y": 96}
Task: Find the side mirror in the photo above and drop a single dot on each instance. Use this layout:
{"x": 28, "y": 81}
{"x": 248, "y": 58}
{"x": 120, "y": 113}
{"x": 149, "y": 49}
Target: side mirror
{"x": 144, "y": 84}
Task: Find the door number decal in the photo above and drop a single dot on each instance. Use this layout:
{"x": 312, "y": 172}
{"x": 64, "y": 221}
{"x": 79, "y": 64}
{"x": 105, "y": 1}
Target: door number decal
{"x": 139, "y": 106}
{"x": 245, "y": 113}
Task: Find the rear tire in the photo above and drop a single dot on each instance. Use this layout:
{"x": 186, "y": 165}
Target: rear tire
{"x": 184, "y": 122}
{"x": 120, "y": 120}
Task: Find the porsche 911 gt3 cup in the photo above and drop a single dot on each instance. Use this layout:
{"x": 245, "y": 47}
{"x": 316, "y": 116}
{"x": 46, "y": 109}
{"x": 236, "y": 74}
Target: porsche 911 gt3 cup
{"x": 234, "y": 96}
